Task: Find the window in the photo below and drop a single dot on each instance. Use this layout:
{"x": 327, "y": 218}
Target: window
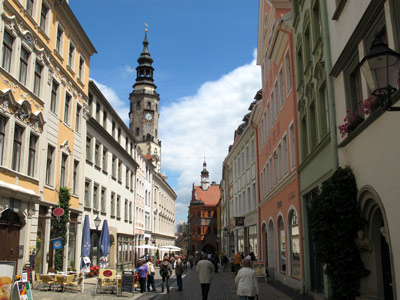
{"x": 103, "y": 199}
{"x": 89, "y": 148}
{"x": 17, "y": 148}
{"x": 119, "y": 135}
{"x": 90, "y": 103}
{"x": 137, "y": 132}
{"x": 66, "y": 108}
{"x": 126, "y": 211}
{"x": 292, "y": 146}
{"x": 71, "y": 55}
{"x": 282, "y": 246}
{"x": 37, "y": 78}
{"x": 98, "y": 108}
{"x": 281, "y": 88}
{"x": 316, "y": 23}
{"x": 8, "y": 41}
{"x": 272, "y": 108}
{"x": 49, "y": 165}
{"x": 288, "y": 73}
{"x": 97, "y": 154}
{"x": 280, "y": 161}
{"x": 304, "y": 138}
{"x": 105, "y": 159}
{"x": 114, "y": 166}
{"x": 78, "y": 118}
{"x": 294, "y": 244}
{"x": 3, "y": 122}
{"x": 112, "y": 204}
{"x": 105, "y": 120}
{"x": 313, "y": 125}
{"x": 87, "y": 193}
{"x": 113, "y": 129}
{"x": 54, "y": 95}
{"x": 307, "y": 48}
{"x": 131, "y": 185}
{"x": 32, "y": 155}
{"x": 276, "y": 166}
{"x": 127, "y": 178}
{"x": 119, "y": 171}
{"x": 63, "y": 171}
{"x": 323, "y": 110}
{"x": 277, "y": 105}
{"x": 23, "y": 65}
{"x": 43, "y": 17}
{"x": 285, "y": 155}
{"x": 95, "y": 196}
{"x": 130, "y": 211}
{"x": 299, "y": 61}
{"x": 29, "y": 7}
{"x": 75, "y": 178}
{"x": 59, "y": 39}
{"x": 81, "y": 68}
{"x": 118, "y": 206}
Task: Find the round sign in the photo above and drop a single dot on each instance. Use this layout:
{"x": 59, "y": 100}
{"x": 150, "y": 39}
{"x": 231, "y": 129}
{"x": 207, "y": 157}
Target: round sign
{"x": 107, "y": 273}
{"x": 58, "y": 212}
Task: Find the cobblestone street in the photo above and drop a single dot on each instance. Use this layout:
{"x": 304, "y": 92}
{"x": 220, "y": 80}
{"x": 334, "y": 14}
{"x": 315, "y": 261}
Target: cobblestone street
{"x": 222, "y": 288}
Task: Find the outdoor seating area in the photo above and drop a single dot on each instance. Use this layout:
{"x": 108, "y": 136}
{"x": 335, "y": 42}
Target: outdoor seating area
{"x": 58, "y": 281}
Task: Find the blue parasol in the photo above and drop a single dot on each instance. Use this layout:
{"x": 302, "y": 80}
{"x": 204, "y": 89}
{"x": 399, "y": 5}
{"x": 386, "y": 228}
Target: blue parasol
{"x": 104, "y": 242}
{"x": 86, "y": 244}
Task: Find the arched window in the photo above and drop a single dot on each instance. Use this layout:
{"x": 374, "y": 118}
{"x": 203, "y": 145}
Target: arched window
{"x": 294, "y": 244}
{"x": 282, "y": 245}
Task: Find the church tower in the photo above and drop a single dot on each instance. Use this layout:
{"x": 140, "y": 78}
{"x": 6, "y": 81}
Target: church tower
{"x": 143, "y": 113}
{"x": 205, "y": 177}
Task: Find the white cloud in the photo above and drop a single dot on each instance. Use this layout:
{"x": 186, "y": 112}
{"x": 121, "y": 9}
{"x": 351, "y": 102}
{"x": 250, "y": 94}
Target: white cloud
{"x": 203, "y": 125}
{"x": 121, "y": 107}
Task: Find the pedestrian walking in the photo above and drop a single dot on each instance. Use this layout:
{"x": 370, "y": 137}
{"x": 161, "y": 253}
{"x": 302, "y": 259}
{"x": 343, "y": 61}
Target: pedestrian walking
{"x": 165, "y": 272}
{"x": 150, "y": 275}
{"x": 205, "y": 269}
{"x": 179, "y": 269}
{"x": 237, "y": 261}
{"x": 191, "y": 261}
{"x": 143, "y": 270}
{"x": 224, "y": 263}
{"x": 246, "y": 282}
{"x": 216, "y": 261}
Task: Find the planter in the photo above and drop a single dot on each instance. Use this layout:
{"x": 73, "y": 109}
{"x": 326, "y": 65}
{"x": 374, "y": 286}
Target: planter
{"x": 354, "y": 124}
{"x": 91, "y": 273}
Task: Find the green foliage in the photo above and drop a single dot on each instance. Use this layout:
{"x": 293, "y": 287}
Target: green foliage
{"x": 335, "y": 218}
{"x": 60, "y": 225}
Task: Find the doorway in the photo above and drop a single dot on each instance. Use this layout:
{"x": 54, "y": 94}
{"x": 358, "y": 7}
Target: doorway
{"x": 10, "y": 226}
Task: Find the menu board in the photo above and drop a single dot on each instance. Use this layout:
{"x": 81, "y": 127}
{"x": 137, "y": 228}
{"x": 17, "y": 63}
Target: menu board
{"x": 127, "y": 283}
{"x": 259, "y": 268}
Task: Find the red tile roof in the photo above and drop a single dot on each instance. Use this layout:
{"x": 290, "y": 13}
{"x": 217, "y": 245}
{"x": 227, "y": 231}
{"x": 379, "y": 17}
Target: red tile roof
{"x": 209, "y": 197}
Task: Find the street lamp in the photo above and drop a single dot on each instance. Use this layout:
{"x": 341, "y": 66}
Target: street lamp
{"x": 381, "y": 71}
{"x": 97, "y": 222}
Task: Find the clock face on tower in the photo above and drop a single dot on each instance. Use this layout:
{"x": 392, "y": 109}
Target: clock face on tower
{"x": 148, "y": 116}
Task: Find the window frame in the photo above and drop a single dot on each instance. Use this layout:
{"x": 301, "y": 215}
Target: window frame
{"x": 59, "y": 41}
{"x": 44, "y": 27}
{"x": 32, "y": 155}
{"x": 37, "y": 78}
{"x": 17, "y": 155}
{"x": 23, "y": 62}
{"x": 67, "y": 108}
{"x": 7, "y": 51}
{"x": 64, "y": 170}
{"x": 49, "y": 177}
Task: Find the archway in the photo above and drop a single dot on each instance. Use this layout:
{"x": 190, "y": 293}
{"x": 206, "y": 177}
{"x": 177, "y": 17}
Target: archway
{"x": 10, "y": 226}
{"x": 271, "y": 249}
{"x": 264, "y": 245}
{"x": 376, "y": 253}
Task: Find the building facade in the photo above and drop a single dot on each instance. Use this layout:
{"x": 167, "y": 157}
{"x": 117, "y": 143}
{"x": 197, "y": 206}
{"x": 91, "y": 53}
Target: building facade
{"x": 44, "y": 89}
{"x": 110, "y": 179}
{"x": 369, "y": 146}
{"x": 279, "y": 202}
{"x": 202, "y": 218}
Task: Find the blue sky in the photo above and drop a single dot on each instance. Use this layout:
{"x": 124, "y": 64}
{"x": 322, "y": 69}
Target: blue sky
{"x": 205, "y": 72}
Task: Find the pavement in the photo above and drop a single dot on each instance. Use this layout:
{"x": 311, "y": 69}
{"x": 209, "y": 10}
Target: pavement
{"x": 222, "y": 288}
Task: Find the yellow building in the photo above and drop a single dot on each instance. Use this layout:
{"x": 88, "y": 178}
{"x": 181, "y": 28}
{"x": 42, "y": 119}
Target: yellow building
{"x": 44, "y": 79}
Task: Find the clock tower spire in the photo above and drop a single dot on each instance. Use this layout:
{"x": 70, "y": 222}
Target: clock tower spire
{"x": 143, "y": 113}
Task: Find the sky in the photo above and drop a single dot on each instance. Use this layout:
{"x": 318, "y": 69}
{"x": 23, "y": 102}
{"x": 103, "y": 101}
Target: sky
{"x": 204, "y": 55}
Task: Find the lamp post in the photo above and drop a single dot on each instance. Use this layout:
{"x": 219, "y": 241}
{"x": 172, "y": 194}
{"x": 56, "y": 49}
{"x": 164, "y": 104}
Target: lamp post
{"x": 97, "y": 222}
{"x": 381, "y": 70}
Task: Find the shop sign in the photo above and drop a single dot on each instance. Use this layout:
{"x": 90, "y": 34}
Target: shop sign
{"x": 58, "y": 212}
{"x": 239, "y": 221}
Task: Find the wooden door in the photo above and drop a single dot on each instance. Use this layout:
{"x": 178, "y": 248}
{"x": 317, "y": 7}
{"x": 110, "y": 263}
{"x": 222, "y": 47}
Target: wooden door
{"x": 9, "y": 237}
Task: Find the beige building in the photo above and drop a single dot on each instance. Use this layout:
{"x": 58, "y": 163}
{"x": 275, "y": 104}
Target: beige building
{"x": 369, "y": 143}
{"x": 44, "y": 86}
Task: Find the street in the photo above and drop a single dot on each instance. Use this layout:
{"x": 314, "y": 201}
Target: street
{"x": 222, "y": 288}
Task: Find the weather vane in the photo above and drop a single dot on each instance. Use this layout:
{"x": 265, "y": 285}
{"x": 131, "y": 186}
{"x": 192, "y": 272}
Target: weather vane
{"x": 145, "y": 24}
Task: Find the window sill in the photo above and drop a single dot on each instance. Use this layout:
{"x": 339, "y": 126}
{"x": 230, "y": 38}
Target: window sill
{"x": 112, "y": 217}
{"x": 70, "y": 70}
{"x": 119, "y": 218}
{"x": 105, "y": 172}
{"x": 50, "y": 187}
{"x": 113, "y": 178}
{"x": 74, "y": 195}
{"x": 98, "y": 168}
{"x": 119, "y": 181}
{"x": 59, "y": 55}
{"x": 103, "y": 213}
{"x": 89, "y": 162}
{"x": 43, "y": 32}
{"x": 80, "y": 82}
{"x": 87, "y": 208}
{"x": 339, "y": 8}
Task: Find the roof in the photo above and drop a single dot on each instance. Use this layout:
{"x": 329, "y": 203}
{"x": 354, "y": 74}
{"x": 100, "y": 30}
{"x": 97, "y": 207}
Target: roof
{"x": 210, "y": 197}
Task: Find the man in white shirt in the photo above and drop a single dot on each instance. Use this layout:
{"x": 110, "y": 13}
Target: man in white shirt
{"x": 205, "y": 268}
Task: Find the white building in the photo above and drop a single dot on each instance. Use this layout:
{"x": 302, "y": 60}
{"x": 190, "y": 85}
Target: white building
{"x": 110, "y": 178}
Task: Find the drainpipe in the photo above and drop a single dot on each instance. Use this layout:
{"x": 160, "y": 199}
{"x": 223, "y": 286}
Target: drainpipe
{"x": 329, "y": 84}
